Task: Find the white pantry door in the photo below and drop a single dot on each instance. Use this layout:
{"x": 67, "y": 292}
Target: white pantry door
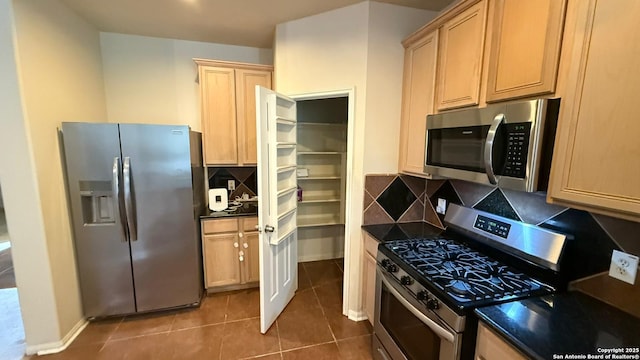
{"x": 278, "y": 202}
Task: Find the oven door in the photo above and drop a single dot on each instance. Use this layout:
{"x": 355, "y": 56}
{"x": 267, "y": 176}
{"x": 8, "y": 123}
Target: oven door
{"x": 406, "y": 329}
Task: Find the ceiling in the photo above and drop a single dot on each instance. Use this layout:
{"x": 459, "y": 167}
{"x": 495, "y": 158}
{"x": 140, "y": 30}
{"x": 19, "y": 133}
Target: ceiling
{"x": 239, "y": 22}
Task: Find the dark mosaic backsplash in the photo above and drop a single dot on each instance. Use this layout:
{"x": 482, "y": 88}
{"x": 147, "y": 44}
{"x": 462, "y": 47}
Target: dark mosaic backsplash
{"x": 244, "y": 177}
{"x": 592, "y": 237}
{"x": 393, "y": 198}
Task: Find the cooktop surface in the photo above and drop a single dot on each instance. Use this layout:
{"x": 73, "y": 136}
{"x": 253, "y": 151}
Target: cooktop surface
{"x": 466, "y": 276}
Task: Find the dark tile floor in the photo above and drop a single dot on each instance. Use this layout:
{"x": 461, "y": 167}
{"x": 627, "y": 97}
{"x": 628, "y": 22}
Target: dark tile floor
{"x": 226, "y": 326}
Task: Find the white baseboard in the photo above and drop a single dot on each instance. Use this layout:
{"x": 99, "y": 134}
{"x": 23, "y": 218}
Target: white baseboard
{"x": 57, "y": 346}
{"x": 316, "y": 257}
{"x": 357, "y": 315}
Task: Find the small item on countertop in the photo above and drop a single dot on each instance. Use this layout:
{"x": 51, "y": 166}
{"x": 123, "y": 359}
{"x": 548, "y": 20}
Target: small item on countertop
{"x": 299, "y": 193}
{"x": 218, "y": 199}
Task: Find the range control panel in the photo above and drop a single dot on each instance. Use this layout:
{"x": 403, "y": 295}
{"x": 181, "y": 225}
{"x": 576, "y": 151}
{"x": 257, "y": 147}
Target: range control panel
{"x": 517, "y": 150}
{"x": 492, "y": 226}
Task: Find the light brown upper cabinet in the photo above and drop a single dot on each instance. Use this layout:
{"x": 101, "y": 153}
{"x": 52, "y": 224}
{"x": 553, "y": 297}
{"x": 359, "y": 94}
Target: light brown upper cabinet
{"x": 227, "y": 96}
{"x": 525, "y": 48}
{"x": 420, "y": 59}
{"x": 596, "y": 163}
{"x": 460, "y": 58}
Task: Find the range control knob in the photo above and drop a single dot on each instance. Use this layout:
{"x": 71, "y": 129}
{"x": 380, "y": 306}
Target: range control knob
{"x": 432, "y": 304}
{"x": 385, "y": 263}
{"x": 406, "y": 280}
{"x": 392, "y": 268}
{"x": 422, "y": 295}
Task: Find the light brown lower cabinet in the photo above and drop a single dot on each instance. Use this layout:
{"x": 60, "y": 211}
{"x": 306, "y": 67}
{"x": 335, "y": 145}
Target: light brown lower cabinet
{"x": 490, "y": 346}
{"x": 369, "y": 275}
{"x": 230, "y": 251}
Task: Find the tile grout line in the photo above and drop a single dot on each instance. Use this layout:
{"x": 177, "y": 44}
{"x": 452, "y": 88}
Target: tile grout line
{"x": 279, "y": 340}
{"x": 110, "y": 335}
{"x": 224, "y": 327}
{"x": 310, "y": 346}
{"x": 324, "y": 314}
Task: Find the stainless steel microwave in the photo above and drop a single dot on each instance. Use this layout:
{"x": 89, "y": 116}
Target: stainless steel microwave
{"x": 509, "y": 145}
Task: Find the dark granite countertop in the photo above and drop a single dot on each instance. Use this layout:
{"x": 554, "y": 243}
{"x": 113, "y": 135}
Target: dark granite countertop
{"x": 564, "y": 324}
{"x": 402, "y": 231}
{"x": 247, "y": 209}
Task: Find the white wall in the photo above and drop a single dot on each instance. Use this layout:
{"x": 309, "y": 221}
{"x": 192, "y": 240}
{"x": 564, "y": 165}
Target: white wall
{"x": 357, "y": 47}
{"x": 20, "y": 188}
{"x": 153, "y": 80}
{"x": 388, "y": 25}
{"x": 60, "y": 77}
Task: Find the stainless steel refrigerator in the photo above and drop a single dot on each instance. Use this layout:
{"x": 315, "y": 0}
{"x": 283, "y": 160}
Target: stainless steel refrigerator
{"x": 136, "y": 193}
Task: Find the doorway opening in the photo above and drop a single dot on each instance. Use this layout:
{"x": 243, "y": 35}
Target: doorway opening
{"x": 324, "y": 163}
{"x": 12, "y": 330}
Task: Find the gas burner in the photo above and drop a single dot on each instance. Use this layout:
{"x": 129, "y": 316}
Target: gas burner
{"x": 462, "y": 273}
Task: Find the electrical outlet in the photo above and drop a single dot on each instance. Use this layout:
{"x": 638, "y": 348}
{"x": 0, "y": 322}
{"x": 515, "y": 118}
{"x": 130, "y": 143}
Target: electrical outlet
{"x": 231, "y": 185}
{"x": 623, "y": 266}
{"x": 442, "y": 206}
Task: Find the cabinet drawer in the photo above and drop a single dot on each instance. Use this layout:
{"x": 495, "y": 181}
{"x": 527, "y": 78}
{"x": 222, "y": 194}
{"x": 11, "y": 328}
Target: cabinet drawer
{"x": 370, "y": 245}
{"x": 219, "y": 226}
{"x": 250, "y": 223}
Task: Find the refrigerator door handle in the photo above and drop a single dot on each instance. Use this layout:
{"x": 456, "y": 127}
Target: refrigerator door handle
{"x": 128, "y": 201}
{"x": 115, "y": 184}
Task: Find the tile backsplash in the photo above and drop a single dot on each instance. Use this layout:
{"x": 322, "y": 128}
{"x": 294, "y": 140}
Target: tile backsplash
{"x": 245, "y": 179}
{"x": 592, "y": 237}
{"x": 393, "y": 198}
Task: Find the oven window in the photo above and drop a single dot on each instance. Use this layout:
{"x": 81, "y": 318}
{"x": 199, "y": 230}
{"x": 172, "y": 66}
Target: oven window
{"x": 414, "y": 338}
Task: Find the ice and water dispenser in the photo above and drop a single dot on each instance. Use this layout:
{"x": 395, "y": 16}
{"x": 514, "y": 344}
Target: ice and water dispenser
{"x": 98, "y": 204}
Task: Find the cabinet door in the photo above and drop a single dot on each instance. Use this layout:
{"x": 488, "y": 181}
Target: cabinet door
{"x": 369, "y": 286}
{"x": 526, "y": 48}
{"x": 417, "y": 101}
{"x": 490, "y": 346}
{"x": 246, "y": 81}
{"x": 221, "y": 260}
{"x": 218, "y": 97}
{"x": 251, "y": 259}
{"x": 460, "y": 58}
{"x": 596, "y": 162}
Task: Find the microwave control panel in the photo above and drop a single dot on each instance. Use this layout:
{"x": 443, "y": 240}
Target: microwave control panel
{"x": 517, "y": 149}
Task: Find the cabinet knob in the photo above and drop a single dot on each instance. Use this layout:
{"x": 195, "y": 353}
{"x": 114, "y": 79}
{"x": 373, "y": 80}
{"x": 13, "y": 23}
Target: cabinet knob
{"x": 245, "y": 245}
{"x": 240, "y": 235}
{"x": 241, "y": 253}
{"x": 235, "y": 244}
{"x": 241, "y": 258}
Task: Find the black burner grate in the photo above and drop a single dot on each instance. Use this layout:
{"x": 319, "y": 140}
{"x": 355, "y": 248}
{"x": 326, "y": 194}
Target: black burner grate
{"x": 460, "y": 272}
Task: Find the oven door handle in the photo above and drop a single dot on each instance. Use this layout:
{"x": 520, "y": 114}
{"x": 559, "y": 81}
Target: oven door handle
{"x": 488, "y": 148}
{"x": 439, "y": 330}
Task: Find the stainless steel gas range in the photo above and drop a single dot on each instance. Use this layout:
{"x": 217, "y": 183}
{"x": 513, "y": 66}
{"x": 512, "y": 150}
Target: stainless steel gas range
{"x": 427, "y": 288}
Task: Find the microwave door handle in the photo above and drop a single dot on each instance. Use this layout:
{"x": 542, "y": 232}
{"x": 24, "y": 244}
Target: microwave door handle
{"x": 439, "y": 330}
{"x": 488, "y": 148}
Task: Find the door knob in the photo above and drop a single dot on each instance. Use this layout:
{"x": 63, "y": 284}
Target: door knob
{"x": 269, "y": 228}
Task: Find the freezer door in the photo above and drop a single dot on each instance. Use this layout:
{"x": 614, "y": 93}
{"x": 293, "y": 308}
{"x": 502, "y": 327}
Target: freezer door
{"x": 158, "y": 193}
{"x": 93, "y": 173}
